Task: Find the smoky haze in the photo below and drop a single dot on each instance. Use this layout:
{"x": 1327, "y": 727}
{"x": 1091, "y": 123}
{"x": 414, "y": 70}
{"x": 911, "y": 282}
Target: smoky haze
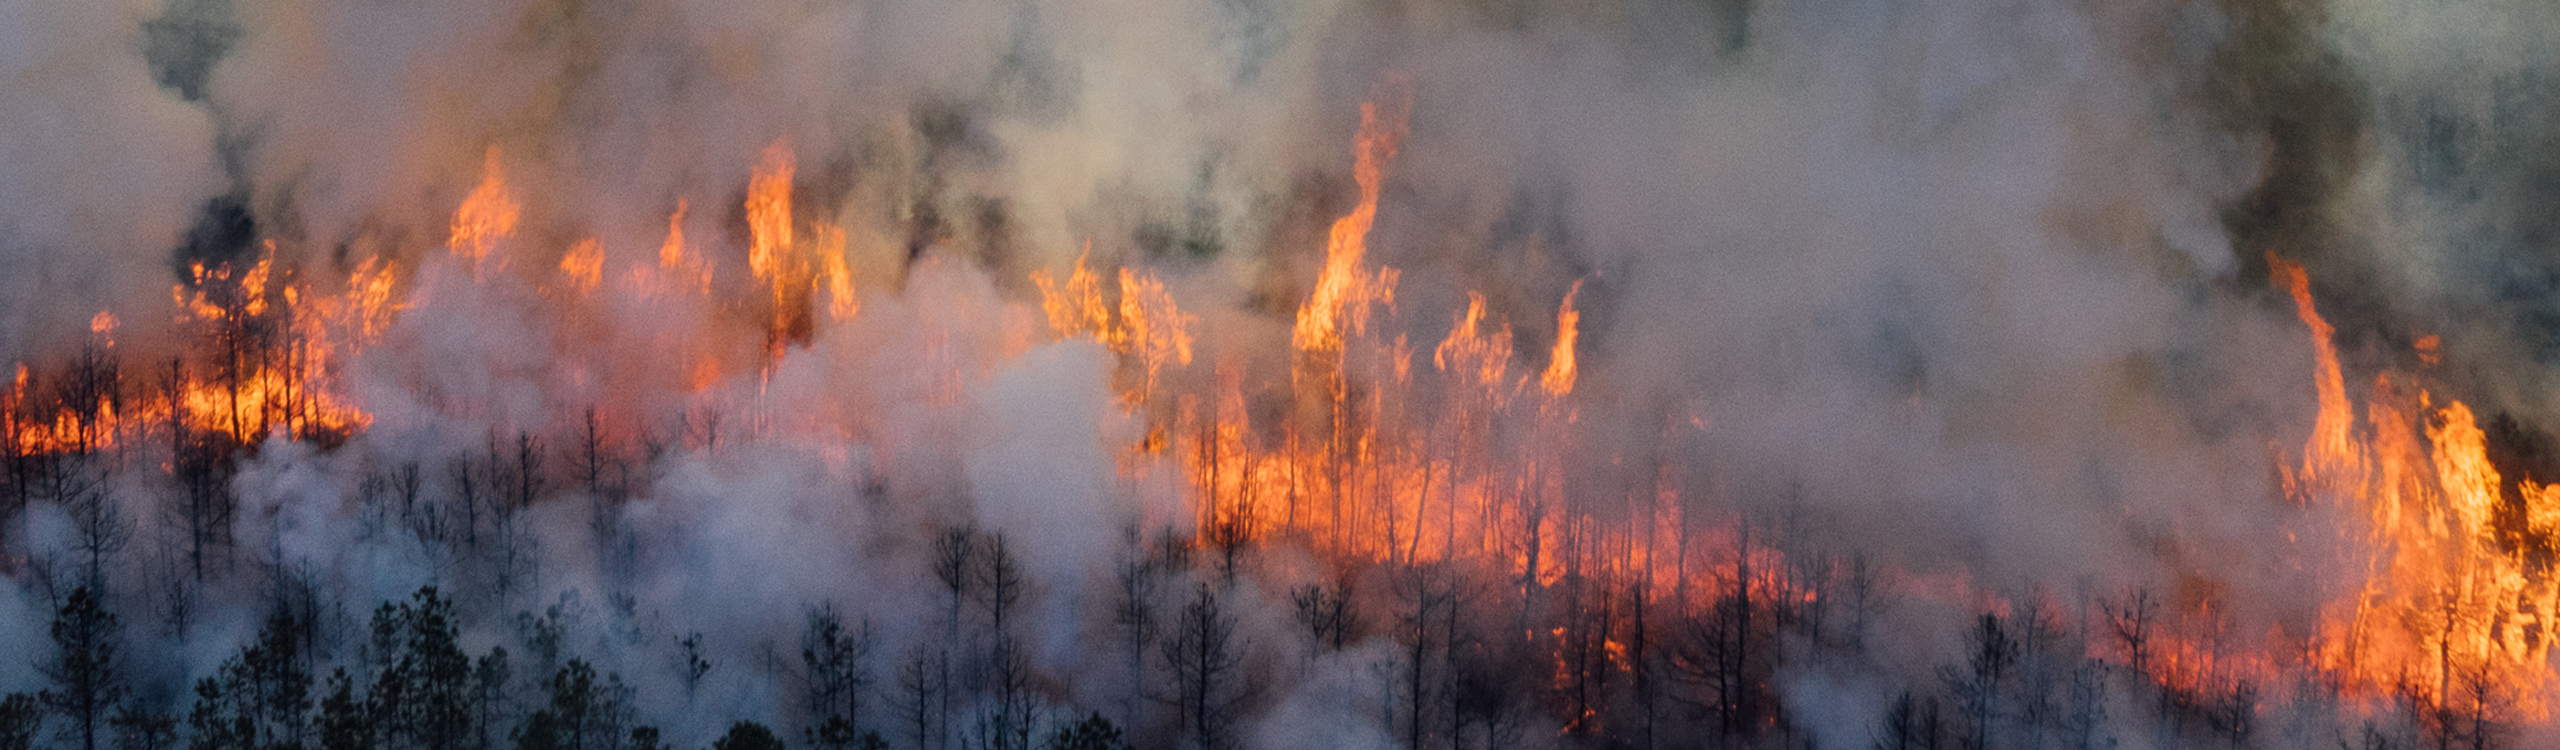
{"x": 1975, "y": 289}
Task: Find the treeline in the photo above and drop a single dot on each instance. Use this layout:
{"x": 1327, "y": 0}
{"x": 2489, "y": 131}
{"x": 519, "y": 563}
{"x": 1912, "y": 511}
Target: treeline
{"x": 1447, "y": 657}
{"x": 410, "y": 685}
{"x": 1174, "y": 640}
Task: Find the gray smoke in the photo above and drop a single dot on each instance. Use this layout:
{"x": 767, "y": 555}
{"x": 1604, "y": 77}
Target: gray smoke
{"x": 1973, "y": 286}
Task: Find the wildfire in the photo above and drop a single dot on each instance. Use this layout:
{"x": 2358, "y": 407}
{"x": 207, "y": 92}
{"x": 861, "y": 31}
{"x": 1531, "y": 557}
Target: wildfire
{"x": 2451, "y": 587}
{"x": 1145, "y": 326}
{"x": 2452, "y": 607}
{"x": 583, "y": 265}
{"x": 487, "y": 215}
{"x": 1347, "y": 288}
{"x": 1558, "y": 379}
{"x": 793, "y": 270}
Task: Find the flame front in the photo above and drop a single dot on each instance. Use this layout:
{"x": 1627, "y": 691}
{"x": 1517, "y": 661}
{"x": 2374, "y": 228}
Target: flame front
{"x": 2452, "y": 605}
{"x": 1360, "y": 457}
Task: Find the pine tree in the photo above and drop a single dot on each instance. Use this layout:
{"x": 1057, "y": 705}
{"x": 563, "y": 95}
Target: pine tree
{"x": 344, "y": 724}
{"x": 1092, "y": 733}
{"x": 84, "y": 669}
{"x": 20, "y": 716}
{"x": 422, "y": 696}
{"x": 747, "y": 735}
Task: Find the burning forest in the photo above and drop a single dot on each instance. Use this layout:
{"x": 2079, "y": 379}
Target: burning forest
{"x": 986, "y": 374}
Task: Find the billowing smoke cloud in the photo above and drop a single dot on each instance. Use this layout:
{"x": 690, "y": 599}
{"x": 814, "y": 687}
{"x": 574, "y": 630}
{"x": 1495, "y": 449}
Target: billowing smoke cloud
{"x": 1972, "y": 288}
{"x": 105, "y": 171}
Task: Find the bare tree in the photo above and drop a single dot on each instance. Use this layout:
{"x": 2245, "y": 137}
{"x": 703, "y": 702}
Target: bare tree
{"x": 1009, "y": 719}
{"x": 1724, "y": 654}
{"x": 838, "y": 661}
{"x": 2133, "y": 621}
{"x": 101, "y": 529}
{"x": 694, "y": 664}
{"x": 1990, "y": 656}
{"x": 955, "y": 555}
{"x": 1912, "y": 724}
{"x": 2084, "y": 715}
{"x": 470, "y": 492}
{"x": 1432, "y": 598}
{"x": 920, "y": 705}
{"x": 1133, "y": 606}
{"x": 1324, "y": 609}
{"x": 1204, "y": 660}
{"x": 1000, "y": 580}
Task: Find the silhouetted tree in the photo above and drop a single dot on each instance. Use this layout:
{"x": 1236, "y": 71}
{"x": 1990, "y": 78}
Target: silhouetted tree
{"x": 747, "y": 735}
{"x": 1991, "y": 654}
{"x": 21, "y": 715}
{"x": 421, "y": 698}
{"x": 1911, "y": 724}
{"x": 1431, "y": 598}
{"x": 344, "y": 724}
{"x": 839, "y": 669}
{"x": 140, "y": 728}
{"x": 85, "y": 671}
{"x": 2132, "y": 622}
{"x": 955, "y": 555}
{"x": 1091, "y": 733}
{"x": 1133, "y": 605}
{"x": 1325, "y": 611}
{"x": 261, "y": 696}
{"x": 1201, "y": 655}
{"x": 1006, "y": 721}
{"x": 695, "y": 664}
{"x": 2084, "y": 715}
{"x": 492, "y": 696}
{"x": 100, "y": 528}
{"x": 1000, "y": 580}
{"x": 919, "y": 701}
{"x": 1724, "y": 653}
{"x": 583, "y": 714}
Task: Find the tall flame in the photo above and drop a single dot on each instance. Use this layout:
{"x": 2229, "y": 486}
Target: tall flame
{"x": 487, "y": 215}
{"x": 1558, "y": 379}
{"x": 2451, "y": 608}
{"x": 2332, "y": 451}
{"x": 1346, "y": 287}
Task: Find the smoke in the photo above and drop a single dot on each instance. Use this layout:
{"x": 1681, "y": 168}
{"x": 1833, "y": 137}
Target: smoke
{"x": 104, "y": 171}
{"x": 1973, "y": 286}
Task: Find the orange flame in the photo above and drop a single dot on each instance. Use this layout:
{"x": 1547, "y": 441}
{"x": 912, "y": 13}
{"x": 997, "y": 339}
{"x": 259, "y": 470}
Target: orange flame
{"x": 1558, "y": 379}
{"x": 1146, "y": 328}
{"x": 2448, "y": 607}
{"x": 1346, "y": 288}
{"x": 487, "y": 215}
{"x": 583, "y": 265}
